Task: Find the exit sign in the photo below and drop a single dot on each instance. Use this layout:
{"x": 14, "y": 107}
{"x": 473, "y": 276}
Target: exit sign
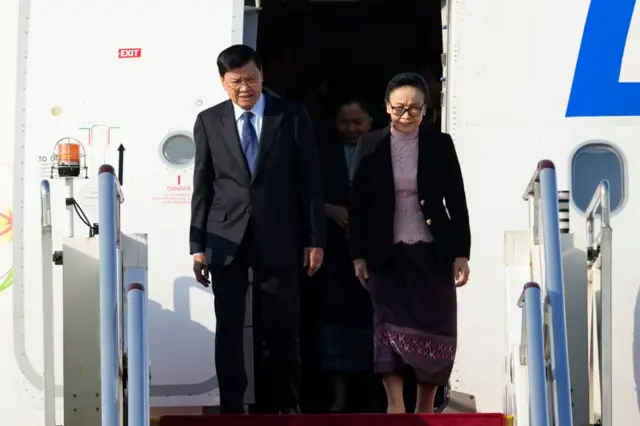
{"x": 129, "y": 53}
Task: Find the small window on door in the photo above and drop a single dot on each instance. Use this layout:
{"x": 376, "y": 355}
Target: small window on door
{"x": 178, "y": 150}
{"x": 592, "y": 163}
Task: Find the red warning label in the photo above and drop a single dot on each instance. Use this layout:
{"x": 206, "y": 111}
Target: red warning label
{"x": 176, "y": 193}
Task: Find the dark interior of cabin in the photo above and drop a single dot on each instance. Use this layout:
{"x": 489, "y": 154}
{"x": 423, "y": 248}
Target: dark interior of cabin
{"x": 318, "y": 52}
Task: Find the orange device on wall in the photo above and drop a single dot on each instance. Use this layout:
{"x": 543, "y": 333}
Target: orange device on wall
{"x": 69, "y": 159}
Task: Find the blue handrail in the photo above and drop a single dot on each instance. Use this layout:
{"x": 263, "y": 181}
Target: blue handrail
{"x": 137, "y": 386}
{"x": 531, "y": 302}
{"x": 544, "y": 180}
{"x": 109, "y": 344}
{"x": 555, "y": 293}
{"x": 48, "y": 344}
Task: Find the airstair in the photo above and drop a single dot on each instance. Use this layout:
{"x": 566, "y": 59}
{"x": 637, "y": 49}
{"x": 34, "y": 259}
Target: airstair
{"x": 539, "y": 370}
{"x": 549, "y": 357}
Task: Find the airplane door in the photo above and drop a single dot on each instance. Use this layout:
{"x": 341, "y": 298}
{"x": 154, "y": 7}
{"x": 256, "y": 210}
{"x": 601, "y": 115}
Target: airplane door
{"x": 250, "y": 25}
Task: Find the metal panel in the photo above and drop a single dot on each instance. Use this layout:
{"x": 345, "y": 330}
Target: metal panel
{"x": 237, "y": 23}
{"x": 250, "y": 28}
{"x": 81, "y": 344}
{"x": 576, "y": 291}
{"x": 606, "y": 344}
{"x": 134, "y": 251}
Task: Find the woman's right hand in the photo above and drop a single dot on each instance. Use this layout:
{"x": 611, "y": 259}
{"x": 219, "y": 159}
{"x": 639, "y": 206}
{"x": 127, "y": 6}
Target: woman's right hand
{"x": 339, "y": 214}
{"x": 362, "y": 272}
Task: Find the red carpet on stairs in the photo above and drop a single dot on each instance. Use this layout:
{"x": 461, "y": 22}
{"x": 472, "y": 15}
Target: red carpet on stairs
{"x": 339, "y": 420}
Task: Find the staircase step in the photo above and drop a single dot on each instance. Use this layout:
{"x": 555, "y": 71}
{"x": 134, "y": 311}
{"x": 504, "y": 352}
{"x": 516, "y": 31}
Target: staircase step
{"x": 491, "y": 419}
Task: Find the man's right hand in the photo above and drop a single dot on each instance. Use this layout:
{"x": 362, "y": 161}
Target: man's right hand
{"x": 200, "y": 269}
{"x": 339, "y": 214}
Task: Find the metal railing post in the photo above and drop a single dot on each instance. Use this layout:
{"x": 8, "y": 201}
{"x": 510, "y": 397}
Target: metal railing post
{"x": 543, "y": 188}
{"x": 606, "y": 344}
{"x": 147, "y": 363}
{"x": 602, "y": 245}
{"x": 555, "y": 292}
{"x": 109, "y": 351}
{"x": 531, "y": 303}
{"x": 48, "y": 333}
{"x": 600, "y": 199}
{"x": 137, "y": 389}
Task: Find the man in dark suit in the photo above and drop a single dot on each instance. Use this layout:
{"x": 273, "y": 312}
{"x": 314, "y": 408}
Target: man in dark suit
{"x": 257, "y": 203}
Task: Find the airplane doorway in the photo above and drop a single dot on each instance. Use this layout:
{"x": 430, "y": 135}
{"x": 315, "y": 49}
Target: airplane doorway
{"x": 318, "y": 52}
{"x": 315, "y": 51}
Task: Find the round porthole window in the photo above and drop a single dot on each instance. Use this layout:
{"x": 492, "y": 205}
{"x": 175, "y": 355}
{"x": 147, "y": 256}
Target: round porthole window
{"x": 592, "y": 163}
{"x": 178, "y": 150}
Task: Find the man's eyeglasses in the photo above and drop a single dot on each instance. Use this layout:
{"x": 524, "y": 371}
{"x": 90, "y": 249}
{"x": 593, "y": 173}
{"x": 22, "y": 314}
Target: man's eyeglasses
{"x": 413, "y": 111}
{"x": 252, "y": 82}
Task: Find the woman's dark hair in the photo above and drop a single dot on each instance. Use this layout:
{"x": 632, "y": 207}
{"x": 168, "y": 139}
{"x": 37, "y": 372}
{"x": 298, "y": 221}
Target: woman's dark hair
{"x": 237, "y": 56}
{"x": 410, "y": 79}
{"x": 352, "y": 100}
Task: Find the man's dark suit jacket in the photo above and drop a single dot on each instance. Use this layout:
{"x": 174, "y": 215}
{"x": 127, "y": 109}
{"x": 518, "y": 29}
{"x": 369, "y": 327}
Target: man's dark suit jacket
{"x": 283, "y": 199}
{"x": 371, "y": 214}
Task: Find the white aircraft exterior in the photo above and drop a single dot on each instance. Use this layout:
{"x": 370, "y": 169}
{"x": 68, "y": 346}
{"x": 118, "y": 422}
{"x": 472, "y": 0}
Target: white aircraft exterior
{"x": 525, "y": 81}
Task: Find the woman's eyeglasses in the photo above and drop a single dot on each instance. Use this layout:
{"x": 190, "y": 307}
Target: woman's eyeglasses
{"x": 413, "y": 111}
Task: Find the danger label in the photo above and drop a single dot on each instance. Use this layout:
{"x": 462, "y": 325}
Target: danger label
{"x": 175, "y": 193}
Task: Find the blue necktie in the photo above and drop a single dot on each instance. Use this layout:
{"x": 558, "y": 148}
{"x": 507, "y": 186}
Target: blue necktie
{"x": 249, "y": 141}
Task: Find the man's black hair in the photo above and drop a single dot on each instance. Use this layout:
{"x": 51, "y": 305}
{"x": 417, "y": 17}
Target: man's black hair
{"x": 237, "y": 56}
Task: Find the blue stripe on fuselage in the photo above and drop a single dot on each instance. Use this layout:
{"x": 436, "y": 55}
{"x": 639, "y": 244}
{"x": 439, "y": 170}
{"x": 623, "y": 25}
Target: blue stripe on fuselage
{"x": 596, "y": 90}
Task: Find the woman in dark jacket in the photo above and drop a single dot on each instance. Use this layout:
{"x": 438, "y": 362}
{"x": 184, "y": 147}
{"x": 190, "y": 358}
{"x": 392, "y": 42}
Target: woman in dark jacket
{"x": 345, "y": 334}
{"x": 409, "y": 251}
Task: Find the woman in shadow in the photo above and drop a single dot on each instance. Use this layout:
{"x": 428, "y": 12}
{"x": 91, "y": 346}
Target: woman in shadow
{"x": 345, "y": 326}
{"x": 410, "y": 252}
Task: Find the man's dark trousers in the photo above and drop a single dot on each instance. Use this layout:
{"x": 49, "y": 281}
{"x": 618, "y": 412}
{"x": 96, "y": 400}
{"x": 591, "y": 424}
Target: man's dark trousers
{"x": 278, "y": 359}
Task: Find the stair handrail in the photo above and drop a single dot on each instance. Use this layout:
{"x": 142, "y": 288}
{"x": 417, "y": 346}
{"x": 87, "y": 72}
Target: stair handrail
{"x": 600, "y": 199}
{"x": 599, "y": 247}
{"x": 48, "y": 344}
{"x": 109, "y": 200}
{"x": 137, "y": 361}
{"x": 533, "y": 337}
{"x": 543, "y": 191}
